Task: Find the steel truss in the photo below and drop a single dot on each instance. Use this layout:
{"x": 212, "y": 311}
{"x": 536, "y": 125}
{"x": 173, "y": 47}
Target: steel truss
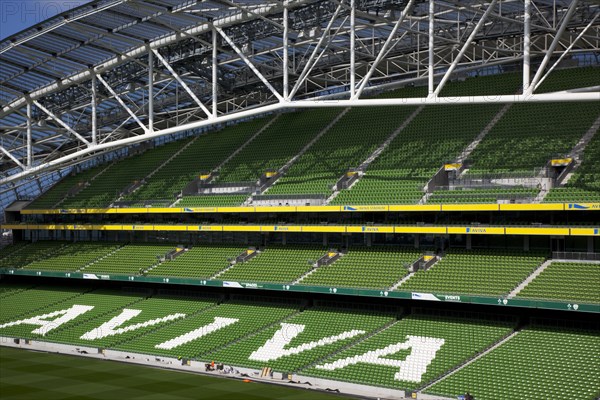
{"x": 203, "y": 63}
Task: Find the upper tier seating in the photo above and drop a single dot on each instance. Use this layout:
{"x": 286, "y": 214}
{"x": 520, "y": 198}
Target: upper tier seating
{"x": 54, "y": 196}
{"x": 346, "y": 145}
{"x": 529, "y": 135}
{"x": 106, "y": 188}
{"x": 584, "y": 184}
{"x": 203, "y": 155}
{"x": 276, "y": 145}
{"x": 437, "y": 134}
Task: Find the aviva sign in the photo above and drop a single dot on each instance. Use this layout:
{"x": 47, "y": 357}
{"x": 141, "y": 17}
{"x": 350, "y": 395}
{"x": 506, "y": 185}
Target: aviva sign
{"x": 308, "y": 341}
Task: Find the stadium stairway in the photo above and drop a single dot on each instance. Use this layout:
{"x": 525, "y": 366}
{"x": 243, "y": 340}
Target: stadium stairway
{"x": 576, "y": 154}
{"x": 102, "y": 171}
{"x": 281, "y": 172}
{"x": 253, "y": 334}
{"x": 365, "y": 164}
{"x": 528, "y": 280}
{"x": 470, "y": 148}
{"x": 307, "y": 274}
{"x": 158, "y": 168}
{"x": 353, "y": 343}
{"x": 250, "y": 140}
{"x": 101, "y": 258}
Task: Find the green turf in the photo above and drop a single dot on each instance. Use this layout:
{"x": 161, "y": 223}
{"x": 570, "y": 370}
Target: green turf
{"x": 33, "y": 375}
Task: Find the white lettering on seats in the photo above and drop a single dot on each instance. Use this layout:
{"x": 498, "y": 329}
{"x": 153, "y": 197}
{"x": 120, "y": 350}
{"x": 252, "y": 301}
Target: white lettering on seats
{"x": 46, "y": 326}
{"x": 197, "y": 333}
{"x": 423, "y": 351}
{"x": 274, "y": 348}
{"x": 110, "y": 328}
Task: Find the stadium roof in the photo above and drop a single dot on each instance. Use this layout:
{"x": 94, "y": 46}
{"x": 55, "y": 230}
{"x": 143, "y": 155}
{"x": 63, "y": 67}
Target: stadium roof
{"x": 80, "y": 83}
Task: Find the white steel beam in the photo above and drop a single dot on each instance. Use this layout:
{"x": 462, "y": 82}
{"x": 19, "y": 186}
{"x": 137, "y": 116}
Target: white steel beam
{"x": 29, "y": 144}
{"x": 352, "y": 48}
{"x": 249, "y": 63}
{"x": 431, "y": 48}
{"x": 150, "y": 90}
{"x": 285, "y": 50}
{"x": 121, "y": 102}
{"x": 550, "y": 51}
{"x": 61, "y": 122}
{"x": 526, "y": 45}
{"x": 94, "y": 112}
{"x": 182, "y": 83}
{"x": 215, "y": 65}
{"x": 464, "y": 48}
{"x": 19, "y": 163}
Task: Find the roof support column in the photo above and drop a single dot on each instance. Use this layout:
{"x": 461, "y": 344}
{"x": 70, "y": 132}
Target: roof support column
{"x": 431, "y": 44}
{"x": 94, "y": 112}
{"x": 150, "y": 90}
{"x": 526, "y": 44}
{"x": 215, "y": 63}
{"x": 550, "y": 51}
{"x": 352, "y": 48}
{"x": 29, "y": 147}
{"x": 285, "y": 50}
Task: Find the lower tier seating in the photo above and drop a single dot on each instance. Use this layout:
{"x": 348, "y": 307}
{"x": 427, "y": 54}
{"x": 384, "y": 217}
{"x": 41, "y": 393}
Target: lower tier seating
{"x": 537, "y": 363}
{"x": 307, "y": 327}
{"x": 369, "y": 345}
{"x": 250, "y": 318}
{"x": 73, "y": 256}
{"x": 440, "y": 341}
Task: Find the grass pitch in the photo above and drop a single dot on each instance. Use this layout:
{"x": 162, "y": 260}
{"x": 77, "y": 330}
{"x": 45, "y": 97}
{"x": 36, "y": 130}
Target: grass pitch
{"x": 34, "y": 375}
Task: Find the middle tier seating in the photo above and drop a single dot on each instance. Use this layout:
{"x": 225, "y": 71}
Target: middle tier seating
{"x": 475, "y": 272}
